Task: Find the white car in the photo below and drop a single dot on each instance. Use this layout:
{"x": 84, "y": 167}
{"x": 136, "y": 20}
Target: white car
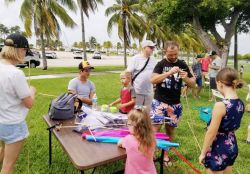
{"x": 78, "y": 54}
{"x": 97, "y": 55}
{"x": 50, "y": 55}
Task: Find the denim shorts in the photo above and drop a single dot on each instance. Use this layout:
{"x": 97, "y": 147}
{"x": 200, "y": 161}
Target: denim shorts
{"x": 11, "y": 133}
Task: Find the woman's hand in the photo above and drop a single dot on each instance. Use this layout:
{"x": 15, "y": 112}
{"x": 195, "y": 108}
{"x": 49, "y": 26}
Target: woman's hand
{"x": 202, "y": 158}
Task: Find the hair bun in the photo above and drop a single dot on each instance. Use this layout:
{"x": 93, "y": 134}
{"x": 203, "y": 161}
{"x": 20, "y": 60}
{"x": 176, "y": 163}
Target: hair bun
{"x": 238, "y": 83}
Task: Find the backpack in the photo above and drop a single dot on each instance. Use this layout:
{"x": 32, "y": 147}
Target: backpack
{"x": 62, "y": 108}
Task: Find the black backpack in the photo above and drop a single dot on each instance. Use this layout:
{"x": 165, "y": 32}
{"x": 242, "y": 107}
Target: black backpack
{"x": 63, "y": 108}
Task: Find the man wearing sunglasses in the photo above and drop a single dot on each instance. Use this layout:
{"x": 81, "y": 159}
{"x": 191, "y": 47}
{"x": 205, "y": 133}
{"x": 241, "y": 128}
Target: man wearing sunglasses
{"x": 84, "y": 88}
{"x": 141, "y": 67}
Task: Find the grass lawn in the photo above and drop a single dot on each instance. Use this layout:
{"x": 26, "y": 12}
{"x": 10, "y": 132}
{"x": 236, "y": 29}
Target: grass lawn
{"x": 63, "y": 70}
{"x": 34, "y": 156}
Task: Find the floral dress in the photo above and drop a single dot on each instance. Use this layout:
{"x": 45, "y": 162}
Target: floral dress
{"x": 224, "y": 149}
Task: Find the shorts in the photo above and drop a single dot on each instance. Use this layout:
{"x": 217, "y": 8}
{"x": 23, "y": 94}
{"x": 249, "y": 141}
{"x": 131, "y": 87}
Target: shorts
{"x": 173, "y": 111}
{"x": 199, "y": 82}
{"x": 11, "y": 133}
{"x": 212, "y": 83}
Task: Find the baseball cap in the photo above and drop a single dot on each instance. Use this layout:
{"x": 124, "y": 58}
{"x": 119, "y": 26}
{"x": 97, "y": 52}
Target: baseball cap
{"x": 16, "y": 41}
{"x": 212, "y": 53}
{"x": 85, "y": 64}
{"x": 148, "y": 43}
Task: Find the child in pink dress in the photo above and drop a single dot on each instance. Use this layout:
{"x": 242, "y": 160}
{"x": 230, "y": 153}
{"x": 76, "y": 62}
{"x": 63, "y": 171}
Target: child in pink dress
{"x": 140, "y": 144}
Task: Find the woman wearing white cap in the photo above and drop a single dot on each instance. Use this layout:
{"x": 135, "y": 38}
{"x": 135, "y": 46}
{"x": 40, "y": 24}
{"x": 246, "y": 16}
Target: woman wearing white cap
{"x": 16, "y": 98}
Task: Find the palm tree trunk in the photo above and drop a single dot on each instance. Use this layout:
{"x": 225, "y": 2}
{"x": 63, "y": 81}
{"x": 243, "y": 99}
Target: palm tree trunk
{"x": 162, "y": 52}
{"x": 83, "y": 35}
{"x": 124, "y": 38}
{"x": 235, "y": 49}
{"x": 45, "y": 67}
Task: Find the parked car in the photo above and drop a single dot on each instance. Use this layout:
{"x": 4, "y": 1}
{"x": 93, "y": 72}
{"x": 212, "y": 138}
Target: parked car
{"x": 78, "y": 54}
{"x": 51, "y": 55}
{"x": 30, "y": 58}
{"x": 37, "y": 53}
{"x": 97, "y": 55}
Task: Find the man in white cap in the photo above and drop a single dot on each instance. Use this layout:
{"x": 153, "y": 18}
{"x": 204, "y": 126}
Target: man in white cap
{"x": 141, "y": 67}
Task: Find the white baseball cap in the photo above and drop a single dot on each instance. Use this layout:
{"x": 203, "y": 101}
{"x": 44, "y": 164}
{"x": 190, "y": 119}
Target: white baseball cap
{"x": 147, "y": 43}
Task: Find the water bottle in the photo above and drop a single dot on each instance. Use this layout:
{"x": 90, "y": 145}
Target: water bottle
{"x": 94, "y": 102}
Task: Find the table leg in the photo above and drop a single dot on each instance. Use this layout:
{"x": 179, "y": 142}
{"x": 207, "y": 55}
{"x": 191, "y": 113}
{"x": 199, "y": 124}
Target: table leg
{"x": 161, "y": 161}
{"x": 93, "y": 171}
{"x": 50, "y": 146}
{"x": 50, "y": 129}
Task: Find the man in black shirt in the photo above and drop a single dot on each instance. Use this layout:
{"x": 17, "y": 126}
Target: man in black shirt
{"x": 168, "y": 75}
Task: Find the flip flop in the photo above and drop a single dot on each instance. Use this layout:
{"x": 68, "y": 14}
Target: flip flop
{"x": 168, "y": 162}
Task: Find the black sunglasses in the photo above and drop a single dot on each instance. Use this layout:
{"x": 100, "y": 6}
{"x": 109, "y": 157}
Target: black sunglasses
{"x": 151, "y": 47}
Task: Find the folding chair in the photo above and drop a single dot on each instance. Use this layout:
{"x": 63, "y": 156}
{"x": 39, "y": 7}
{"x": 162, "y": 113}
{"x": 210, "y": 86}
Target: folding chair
{"x": 248, "y": 95}
{"x": 217, "y": 94}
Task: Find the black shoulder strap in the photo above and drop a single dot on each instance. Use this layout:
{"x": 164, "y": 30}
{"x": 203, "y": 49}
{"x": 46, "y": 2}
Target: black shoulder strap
{"x": 133, "y": 79}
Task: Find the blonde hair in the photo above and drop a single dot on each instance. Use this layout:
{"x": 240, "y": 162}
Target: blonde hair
{"x": 126, "y": 74}
{"x": 229, "y": 77}
{"x": 11, "y": 54}
{"x": 143, "y": 129}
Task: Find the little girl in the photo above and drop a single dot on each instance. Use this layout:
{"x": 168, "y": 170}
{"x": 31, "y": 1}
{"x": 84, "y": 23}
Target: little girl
{"x": 127, "y": 94}
{"x": 140, "y": 144}
{"x": 220, "y": 146}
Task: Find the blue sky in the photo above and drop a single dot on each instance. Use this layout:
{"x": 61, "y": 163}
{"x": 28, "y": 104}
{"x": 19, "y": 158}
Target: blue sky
{"x": 95, "y": 26}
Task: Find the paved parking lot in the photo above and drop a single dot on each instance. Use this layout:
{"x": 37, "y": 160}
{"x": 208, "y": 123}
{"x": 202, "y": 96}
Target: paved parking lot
{"x": 66, "y": 59}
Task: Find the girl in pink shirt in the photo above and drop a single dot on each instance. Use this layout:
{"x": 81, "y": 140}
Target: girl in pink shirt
{"x": 140, "y": 144}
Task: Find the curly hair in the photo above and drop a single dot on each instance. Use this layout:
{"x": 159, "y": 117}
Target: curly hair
{"x": 143, "y": 129}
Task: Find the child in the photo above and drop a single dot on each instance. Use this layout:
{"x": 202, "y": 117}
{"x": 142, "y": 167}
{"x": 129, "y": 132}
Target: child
{"x": 196, "y": 67}
{"x": 241, "y": 71}
{"x": 140, "y": 144}
{"x": 127, "y": 94}
{"x": 220, "y": 147}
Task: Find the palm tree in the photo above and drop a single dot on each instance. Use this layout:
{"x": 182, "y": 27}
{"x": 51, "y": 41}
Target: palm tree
{"x": 107, "y": 45}
{"x": 85, "y": 6}
{"x": 45, "y": 14}
{"x": 92, "y": 42}
{"x": 98, "y": 46}
{"x": 125, "y": 14}
{"x": 118, "y": 47}
{"x": 4, "y": 31}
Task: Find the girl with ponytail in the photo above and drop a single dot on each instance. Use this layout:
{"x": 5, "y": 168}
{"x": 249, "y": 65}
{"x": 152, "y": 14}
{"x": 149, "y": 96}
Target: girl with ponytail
{"x": 220, "y": 148}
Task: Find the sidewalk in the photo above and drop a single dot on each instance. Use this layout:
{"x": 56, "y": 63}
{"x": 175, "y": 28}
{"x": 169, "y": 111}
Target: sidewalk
{"x": 52, "y": 76}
